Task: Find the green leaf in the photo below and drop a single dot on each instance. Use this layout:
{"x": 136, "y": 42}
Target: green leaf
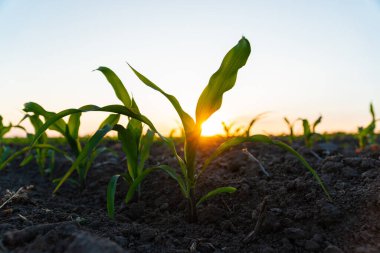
{"x": 187, "y": 122}
{"x": 316, "y": 123}
{"x": 111, "y": 191}
{"x": 253, "y": 121}
{"x": 119, "y": 109}
{"x": 26, "y": 160}
{"x": 59, "y": 125}
{"x": 263, "y": 139}
{"x": 222, "y": 80}
{"x": 215, "y": 192}
{"x": 145, "y": 145}
{"x": 85, "y": 153}
{"x": 111, "y": 120}
{"x": 306, "y": 128}
{"x": 372, "y": 111}
{"x": 117, "y": 86}
{"x": 27, "y": 149}
{"x": 73, "y": 125}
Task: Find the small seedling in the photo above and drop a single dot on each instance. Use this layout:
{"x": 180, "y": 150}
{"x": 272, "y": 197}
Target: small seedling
{"x": 70, "y": 131}
{"x": 309, "y": 133}
{"x": 291, "y": 129}
{"x": 253, "y": 122}
{"x": 366, "y": 135}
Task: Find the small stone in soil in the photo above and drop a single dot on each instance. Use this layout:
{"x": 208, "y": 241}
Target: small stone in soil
{"x": 332, "y": 249}
{"x": 295, "y": 233}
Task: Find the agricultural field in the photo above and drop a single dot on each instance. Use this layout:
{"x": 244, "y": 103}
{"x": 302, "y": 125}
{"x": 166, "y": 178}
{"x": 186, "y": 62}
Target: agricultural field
{"x": 141, "y": 191}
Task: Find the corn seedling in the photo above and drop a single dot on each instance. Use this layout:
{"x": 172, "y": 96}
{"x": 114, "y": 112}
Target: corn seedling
{"x": 135, "y": 145}
{"x": 291, "y": 129}
{"x": 253, "y": 122}
{"x": 309, "y": 133}
{"x": 227, "y": 128}
{"x": 209, "y": 102}
{"x": 6, "y": 151}
{"x": 70, "y": 131}
{"x": 44, "y": 157}
{"x": 366, "y": 135}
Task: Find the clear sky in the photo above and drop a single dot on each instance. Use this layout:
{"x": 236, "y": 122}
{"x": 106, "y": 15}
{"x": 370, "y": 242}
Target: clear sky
{"x": 308, "y": 57}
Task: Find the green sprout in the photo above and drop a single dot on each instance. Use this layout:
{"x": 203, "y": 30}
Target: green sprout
{"x": 70, "y": 131}
{"x": 309, "y": 133}
{"x": 291, "y": 129}
{"x": 227, "y": 128}
{"x": 366, "y": 135}
{"x": 5, "y": 151}
{"x": 44, "y": 157}
{"x": 253, "y": 122}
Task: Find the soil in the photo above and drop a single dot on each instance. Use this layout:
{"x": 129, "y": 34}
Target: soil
{"x": 284, "y": 212}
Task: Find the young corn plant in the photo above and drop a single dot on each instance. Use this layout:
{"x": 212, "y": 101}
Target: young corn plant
{"x": 70, "y": 131}
{"x": 209, "y": 102}
{"x": 44, "y": 157}
{"x": 309, "y": 133}
{"x": 227, "y": 128}
{"x": 135, "y": 144}
{"x": 5, "y": 151}
{"x": 291, "y": 129}
{"x": 253, "y": 122}
{"x": 366, "y": 135}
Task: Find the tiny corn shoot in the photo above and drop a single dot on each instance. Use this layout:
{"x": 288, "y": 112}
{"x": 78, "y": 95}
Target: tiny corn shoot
{"x": 253, "y": 122}
{"x": 291, "y": 129}
{"x": 309, "y": 131}
{"x": 366, "y": 135}
{"x": 44, "y": 157}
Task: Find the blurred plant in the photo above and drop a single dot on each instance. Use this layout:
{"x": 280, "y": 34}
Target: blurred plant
{"x": 366, "y": 135}
{"x": 70, "y": 131}
{"x": 309, "y": 133}
{"x": 291, "y": 129}
{"x": 228, "y": 129}
{"x": 253, "y": 121}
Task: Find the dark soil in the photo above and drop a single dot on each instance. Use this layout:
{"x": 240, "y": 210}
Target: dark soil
{"x": 286, "y": 212}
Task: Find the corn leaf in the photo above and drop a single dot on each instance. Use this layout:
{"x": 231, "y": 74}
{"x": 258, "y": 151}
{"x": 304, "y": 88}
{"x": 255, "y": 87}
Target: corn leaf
{"x": 111, "y": 191}
{"x": 316, "y": 123}
{"x": 117, "y": 86}
{"x": 27, "y": 149}
{"x": 59, "y": 125}
{"x": 222, "y": 80}
{"x": 372, "y": 111}
{"x": 215, "y": 192}
{"x": 145, "y": 145}
{"x": 73, "y": 125}
{"x": 119, "y": 109}
{"x": 306, "y": 128}
{"x": 187, "y": 121}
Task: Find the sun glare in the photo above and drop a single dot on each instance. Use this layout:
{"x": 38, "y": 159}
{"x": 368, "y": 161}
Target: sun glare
{"x": 212, "y": 127}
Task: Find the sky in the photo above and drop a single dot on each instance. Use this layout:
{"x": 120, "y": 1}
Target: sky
{"x": 309, "y": 58}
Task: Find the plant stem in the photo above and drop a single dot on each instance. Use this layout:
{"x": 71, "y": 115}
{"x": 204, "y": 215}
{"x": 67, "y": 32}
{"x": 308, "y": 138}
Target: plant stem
{"x": 193, "y": 216}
